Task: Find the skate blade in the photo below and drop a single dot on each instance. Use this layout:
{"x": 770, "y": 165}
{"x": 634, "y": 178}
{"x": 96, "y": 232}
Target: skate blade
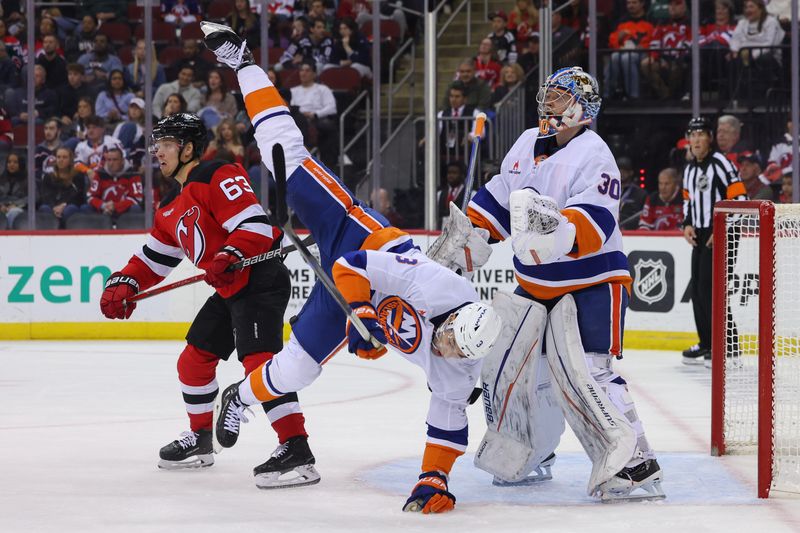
{"x": 540, "y": 474}
{"x": 198, "y": 461}
{"x": 298, "y": 477}
{"x": 215, "y": 445}
{"x": 650, "y": 491}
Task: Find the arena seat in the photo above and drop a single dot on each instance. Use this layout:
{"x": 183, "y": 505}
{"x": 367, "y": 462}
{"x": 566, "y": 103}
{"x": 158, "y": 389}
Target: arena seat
{"x": 88, "y": 221}
{"x": 44, "y": 221}
{"x": 130, "y": 221}
{"x": 343, "y": 79}
{"x": 118, "y": 33}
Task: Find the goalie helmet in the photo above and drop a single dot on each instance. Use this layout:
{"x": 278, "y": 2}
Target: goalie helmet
{"x": 476, "y": 327}
{"x": 183, "y": 128}
{"x": 574, "y": 86}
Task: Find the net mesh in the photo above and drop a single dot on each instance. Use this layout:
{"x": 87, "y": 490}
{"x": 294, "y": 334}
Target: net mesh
{"x": 740, "y": 425}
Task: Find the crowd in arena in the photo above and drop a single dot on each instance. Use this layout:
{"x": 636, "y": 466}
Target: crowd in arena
{"x": 90, "y": 69}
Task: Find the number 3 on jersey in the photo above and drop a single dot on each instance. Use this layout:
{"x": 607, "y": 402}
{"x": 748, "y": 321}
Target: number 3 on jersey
{"x": 232, "y": 189}
{"x": 609, "y": 186}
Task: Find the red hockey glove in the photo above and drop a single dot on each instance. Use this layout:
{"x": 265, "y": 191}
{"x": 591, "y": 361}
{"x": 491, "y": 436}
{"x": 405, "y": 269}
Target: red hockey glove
{"x": 217, "y": 274}
{"x": 430, "y": 495}
{"x": 355, "y": 342}
{"x": 119, "y": 288}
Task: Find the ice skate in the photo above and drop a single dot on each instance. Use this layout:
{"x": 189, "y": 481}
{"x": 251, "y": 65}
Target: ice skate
{"x": 695, "y": 355}
{"x": 190, "y": 450}
{"x": 540, "y": 473}
{"x": 228, "y": 47}
{"x": 229, "y": 413}
{"x": 291, "y": 465}
{"x": 641, "y": 482}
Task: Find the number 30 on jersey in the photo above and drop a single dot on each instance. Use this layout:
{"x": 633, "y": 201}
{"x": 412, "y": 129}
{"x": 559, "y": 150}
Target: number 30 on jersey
{"x": 610, "y": 186}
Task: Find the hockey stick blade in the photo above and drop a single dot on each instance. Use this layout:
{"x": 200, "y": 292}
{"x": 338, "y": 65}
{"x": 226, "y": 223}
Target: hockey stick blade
{"x": 279, "y": 164}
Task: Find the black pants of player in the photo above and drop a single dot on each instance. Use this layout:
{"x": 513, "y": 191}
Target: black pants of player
{"x": 251, "y": 321}
{"x": 702, "y": 261}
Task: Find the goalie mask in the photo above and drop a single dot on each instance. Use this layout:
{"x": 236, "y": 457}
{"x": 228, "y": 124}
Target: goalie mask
{"x": 469, "y": 332}
{"x": 569, "y": 97}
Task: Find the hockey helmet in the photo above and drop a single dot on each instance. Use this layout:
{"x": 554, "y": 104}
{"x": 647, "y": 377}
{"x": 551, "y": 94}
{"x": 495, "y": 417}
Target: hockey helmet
{"x": 699, "y": 124}
{"x": 575, "y": 86}
{"x": 476, "y": 328}
{"x": 184, "y": 128}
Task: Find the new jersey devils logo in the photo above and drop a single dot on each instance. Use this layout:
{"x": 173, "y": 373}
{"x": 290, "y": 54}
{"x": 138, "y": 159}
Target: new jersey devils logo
{"x": 401, "y": 324}
{"x": 190, "y": 235}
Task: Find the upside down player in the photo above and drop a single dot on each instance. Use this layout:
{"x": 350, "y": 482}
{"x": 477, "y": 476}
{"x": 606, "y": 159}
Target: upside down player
{"x": 214, "y": 220}
{"x": 557, "y": 197}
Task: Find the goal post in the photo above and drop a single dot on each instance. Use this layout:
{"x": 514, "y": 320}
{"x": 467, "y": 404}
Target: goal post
{"x": 755, "y": 375}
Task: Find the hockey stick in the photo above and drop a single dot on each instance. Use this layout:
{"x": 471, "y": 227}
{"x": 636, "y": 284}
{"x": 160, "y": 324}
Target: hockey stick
{"x": 284, "y": 218}
{"x": 234, "y": 267}
{"x": 477, "y": 135}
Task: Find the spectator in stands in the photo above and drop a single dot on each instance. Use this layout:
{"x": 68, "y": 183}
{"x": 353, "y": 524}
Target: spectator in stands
{"x": 77, "y": 126}
{"x": 113, "y": 189}
{"x": 82, "y": 41}
{"x": 567, "y": 46}
{"x": 227, "y": 138}
{"x": 183, "y": 86}
{"x": 180, "y": 12}
{"x": 523, "y": 21}
{"x": 321, "y": 44}
{"x": 631, "y": 35}
{"x": 9, "y": 71}
{"x": 486, "y": 68}
{"x": 717, "y": 34}
{"x": 749, "y": 172}
{"x": 632, "y": 197}
{"x": 175, "y": 103}
{"x": 245, "y": 23}
{"x": 510, "y": 75}
{"x": 453, "y": 190}
{"x": 351, "y": 49}
{"x": 478, "y": 92}
{"x": 780, "y": 155}
{"x": 90, "y": 153}
{"x": 112, "y": 103}
{"x": 135, "y": 72}
{"x": 13, "y": 188}
{"x": 381, "y": 201}
{"x": 47, "y": 26}
{"x": 528, "y": 58}
{"x": 131, "y": 133}
{"x": 191, "y": 58}
{"x": 13, "y": 46}
{"x": 45, "y": 154}
{"x": 756, "y": 30}
{"x": 453, "y": 133}
{"x": 664, "y": 71}
{"x": 663, "y": 210}
{"x": 219, "y": 102}
{"x": 361, "y": 12}
{"x": 315, "y": 10}
{"x": 786, "y": 188}
{"x": 100, "y": 61}
{"x": 281, "y": 11}
{"x": 46, "y": 104}
{"x": 105, "y": 10}
{"x": 6, "y": 131}
{"x": 782, "y": 10}
{"x": 72, "y": 91}
{"x": 63, "y": 188}
{"x": 729, "y": 138}
{"x": 317, "y": 104}
{"x": 53, "y": 64}
{"x": 299, "y": 48}
{"x": 505, "y": 44}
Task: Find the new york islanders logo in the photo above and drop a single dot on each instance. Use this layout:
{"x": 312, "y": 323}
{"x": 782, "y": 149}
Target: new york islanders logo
{"x": 401, "y": 324}
{"x": 190, "y": 236}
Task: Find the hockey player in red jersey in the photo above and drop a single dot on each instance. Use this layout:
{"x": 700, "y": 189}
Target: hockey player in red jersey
{"x": 214, "y": 219}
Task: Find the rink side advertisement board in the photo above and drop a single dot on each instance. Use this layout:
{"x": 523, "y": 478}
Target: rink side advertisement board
{"x": 50, "y": 286}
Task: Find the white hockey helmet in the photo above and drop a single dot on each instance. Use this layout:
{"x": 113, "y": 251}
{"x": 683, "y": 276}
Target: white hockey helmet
{"x": 476, "y": 327}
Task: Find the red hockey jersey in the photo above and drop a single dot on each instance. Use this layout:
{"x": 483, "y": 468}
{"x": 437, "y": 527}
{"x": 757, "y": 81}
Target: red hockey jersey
{"x": 659, "y": 215}
{"x": 215, "y": 208}
{"x": 124, "y": 190}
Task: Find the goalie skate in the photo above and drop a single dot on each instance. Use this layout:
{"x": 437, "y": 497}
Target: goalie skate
{"x": 190, "y": 450}
{"x": 291, "y": 465}
{"x": 540, "y": 473}
{"x": 639, "y": 483}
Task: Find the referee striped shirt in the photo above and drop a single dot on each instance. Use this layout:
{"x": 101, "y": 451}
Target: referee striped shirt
{"x": 704, "y": 184}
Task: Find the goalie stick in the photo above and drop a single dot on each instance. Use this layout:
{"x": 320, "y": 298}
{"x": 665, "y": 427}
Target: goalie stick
{"x": 477, "y": 135}
{"x": 236, "y": 266}
{"x": 284, "y": 220}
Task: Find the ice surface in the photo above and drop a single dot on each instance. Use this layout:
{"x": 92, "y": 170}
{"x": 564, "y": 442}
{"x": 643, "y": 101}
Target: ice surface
{"x": 83, "y": 422}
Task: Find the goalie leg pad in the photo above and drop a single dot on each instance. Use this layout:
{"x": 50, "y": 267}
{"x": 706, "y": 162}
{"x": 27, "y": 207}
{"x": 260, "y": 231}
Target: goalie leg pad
{"x": 524, "y": 421}
{"x": 602, "y": 429}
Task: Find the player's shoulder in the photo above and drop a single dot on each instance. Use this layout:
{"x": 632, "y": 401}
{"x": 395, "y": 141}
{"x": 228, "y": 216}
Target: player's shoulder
{"x": 168, "y": 199}
{"x": 207, "y": 171}
{"x": 591, "y": 148}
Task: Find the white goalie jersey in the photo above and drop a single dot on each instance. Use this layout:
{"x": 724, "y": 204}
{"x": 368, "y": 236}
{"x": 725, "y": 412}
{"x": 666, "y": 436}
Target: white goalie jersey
{"x": 583, "y": 178}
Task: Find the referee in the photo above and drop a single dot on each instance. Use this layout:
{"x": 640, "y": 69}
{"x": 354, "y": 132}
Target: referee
{"x": 708, "y": 178}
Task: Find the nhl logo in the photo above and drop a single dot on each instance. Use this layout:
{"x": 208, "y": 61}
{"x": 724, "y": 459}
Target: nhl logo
{"x": 703, "y": 183}
{"x": 650, "y": 284}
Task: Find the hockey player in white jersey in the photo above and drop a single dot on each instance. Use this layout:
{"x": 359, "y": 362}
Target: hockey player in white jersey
{"x": 557, "y": 198}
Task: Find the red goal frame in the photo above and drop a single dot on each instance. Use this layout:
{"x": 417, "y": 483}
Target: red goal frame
{"x": 765, "y": 210}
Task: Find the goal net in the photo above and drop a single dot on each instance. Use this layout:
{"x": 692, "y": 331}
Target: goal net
{"x": 756, "y": 338}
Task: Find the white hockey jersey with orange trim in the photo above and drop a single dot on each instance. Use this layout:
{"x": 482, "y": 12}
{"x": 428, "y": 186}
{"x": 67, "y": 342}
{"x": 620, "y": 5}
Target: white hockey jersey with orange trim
{"x": 411, "y": 294}
{"x": 583, "y": 178}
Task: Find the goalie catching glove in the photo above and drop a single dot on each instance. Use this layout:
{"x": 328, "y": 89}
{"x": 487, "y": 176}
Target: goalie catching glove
{"x": 539, "y": 232}
{"x": 355, "y": 342}
{"x": 430, "y": 495}
{"x": 119, "y": 289}
{"x": 461, "y": 248}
